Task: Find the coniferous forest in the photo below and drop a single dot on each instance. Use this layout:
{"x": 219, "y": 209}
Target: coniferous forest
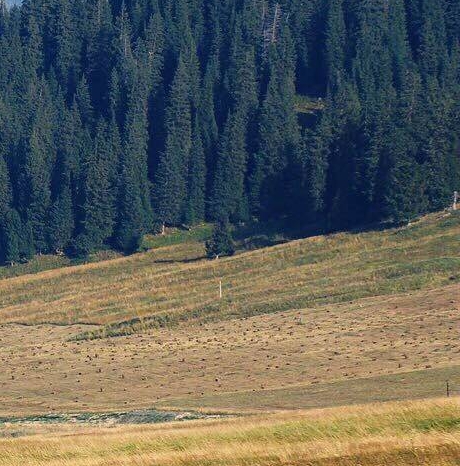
{"x": 118, "y": 117}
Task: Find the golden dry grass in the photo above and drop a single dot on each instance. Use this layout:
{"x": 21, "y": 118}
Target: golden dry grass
{"x": 421, "y": 433}
{"x": 326, "y": 321}
{"x": 295, "y": 327}
{"x": 335, "y": 354}
{"x": 298, "y": 275}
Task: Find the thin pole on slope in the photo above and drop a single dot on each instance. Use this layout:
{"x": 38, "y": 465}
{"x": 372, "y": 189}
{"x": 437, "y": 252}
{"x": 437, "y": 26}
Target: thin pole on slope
{"x": 220, "y": 289}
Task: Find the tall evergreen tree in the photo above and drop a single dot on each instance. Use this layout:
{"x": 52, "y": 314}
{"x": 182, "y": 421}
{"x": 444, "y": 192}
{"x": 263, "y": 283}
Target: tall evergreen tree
{"x": 10, "y": 231}
{"x": 195, "y": 207}
{"x": 336, "y": 44}
{"x": 279, "y": 136}
{"x": 6, "y": 194}
{"x": 171, "y": 178}
{"x": 98, "y": 202}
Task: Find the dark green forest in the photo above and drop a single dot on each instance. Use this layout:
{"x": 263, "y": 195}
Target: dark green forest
{"x": 119, "y": 117}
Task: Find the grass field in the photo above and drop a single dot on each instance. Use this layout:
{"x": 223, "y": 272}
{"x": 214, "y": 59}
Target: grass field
{"x": 300, "y": 325}
{"x": 422, "y": 433}
{"x": 328, "y": 321}
{"x": 174, "y": 284}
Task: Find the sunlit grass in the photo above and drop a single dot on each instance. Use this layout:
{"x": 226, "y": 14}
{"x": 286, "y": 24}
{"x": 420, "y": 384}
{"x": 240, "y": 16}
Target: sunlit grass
{"x": 173, "y": 282}
{"x": 390, "y": 434}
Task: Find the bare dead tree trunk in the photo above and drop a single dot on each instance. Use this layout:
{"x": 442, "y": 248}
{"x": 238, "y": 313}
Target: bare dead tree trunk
{"x": 276, "y": 19}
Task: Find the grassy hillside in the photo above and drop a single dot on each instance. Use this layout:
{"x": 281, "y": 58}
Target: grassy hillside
{"x": 339, "y": 319}
{"x": 425, "y": 433}
{"x": 170, "y": 284}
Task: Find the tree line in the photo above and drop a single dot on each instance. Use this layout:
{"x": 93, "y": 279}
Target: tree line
{"x": 118, "y": 117}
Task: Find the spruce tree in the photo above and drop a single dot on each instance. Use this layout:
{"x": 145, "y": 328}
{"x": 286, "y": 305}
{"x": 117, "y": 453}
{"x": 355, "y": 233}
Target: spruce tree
{"x": 195, "y": 208}
{"x": 36, "y": 192}
{"x": 221, "y": 242}
{"x": 336, "y": 44}
{"x": 228, "y": 197}
{"x": 171, "y": 177}
{"x": 279, "y": 135}
{"x": 10, "y": 231}
{"x": 433, "y": 41}
{"x": 316, "y": 163}
{"x": 98, "y": 201}
{"x": 136, "y": 148}
{"x": 61, "y": 220}
{"x": 128, "y": 231}
{"x": 6, "y": 195}
{"x": 374, "y": 81}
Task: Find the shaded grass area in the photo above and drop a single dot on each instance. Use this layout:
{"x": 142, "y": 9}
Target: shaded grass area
{"x": 402, "y": 433}
{"x": 175, "y": 236}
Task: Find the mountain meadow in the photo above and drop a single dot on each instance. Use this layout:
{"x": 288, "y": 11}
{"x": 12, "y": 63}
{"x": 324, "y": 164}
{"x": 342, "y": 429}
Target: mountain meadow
{"x": 229, "y": 232}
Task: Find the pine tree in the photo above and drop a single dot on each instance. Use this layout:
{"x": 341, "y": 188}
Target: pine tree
{"x": 336, "y": 44}
{"x": 171, "y": 177}
{"x": 195, "y": 208}
{"x": 6, "y": 195}
{"x": 10, "y": 231}
{"x": 221, "y": 242}
{"x": 98, "y": 201}
{"x": 61, "y": 220}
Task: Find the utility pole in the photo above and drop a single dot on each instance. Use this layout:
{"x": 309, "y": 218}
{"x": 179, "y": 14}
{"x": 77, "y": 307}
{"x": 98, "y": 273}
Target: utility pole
{"x": 220, "y": 289}
{"x": 456, "y": 199}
